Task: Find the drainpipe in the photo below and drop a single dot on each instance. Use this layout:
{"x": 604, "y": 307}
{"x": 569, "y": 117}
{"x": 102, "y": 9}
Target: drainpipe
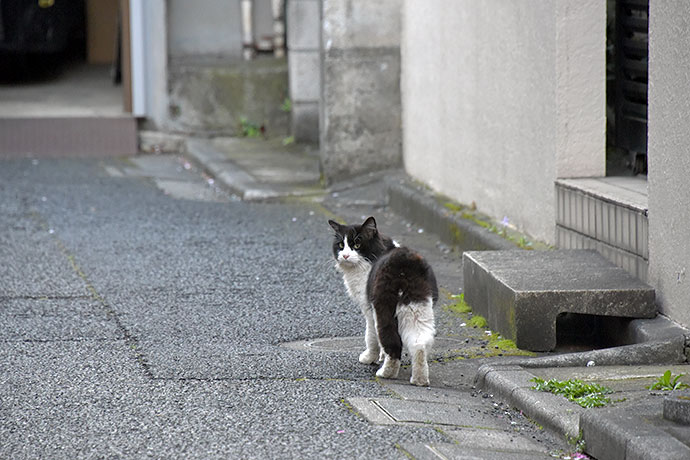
{"x": 278, "y": 28}
{"x": 247, "y": 32}
{"x": 138, "y": 43}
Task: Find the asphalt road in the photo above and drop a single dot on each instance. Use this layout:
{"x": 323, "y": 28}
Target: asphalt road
{"x": 138, "y": 322}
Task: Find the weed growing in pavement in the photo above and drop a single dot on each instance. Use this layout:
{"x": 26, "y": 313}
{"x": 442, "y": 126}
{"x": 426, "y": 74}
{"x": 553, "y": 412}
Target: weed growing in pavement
{"x": 585, "y": 394}
{"x": 477, "y": 321}
{"x": 668, "y": 382}
{"x": 460, "y": 306}
{"x": 249, "y": 129}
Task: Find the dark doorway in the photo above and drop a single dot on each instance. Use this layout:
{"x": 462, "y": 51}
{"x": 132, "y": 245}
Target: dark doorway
{"x": 627, "y": 64}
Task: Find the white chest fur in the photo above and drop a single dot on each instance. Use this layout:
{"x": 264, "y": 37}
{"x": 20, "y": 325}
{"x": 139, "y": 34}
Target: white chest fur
{"x": 355, "y": 279}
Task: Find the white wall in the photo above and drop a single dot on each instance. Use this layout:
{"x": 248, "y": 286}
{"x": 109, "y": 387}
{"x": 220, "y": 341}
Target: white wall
{"x": 669, "y": 157}
{"x": 500, "y": 98}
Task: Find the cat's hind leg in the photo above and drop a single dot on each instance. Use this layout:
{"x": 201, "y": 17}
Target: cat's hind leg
{"x": 372, "y": 352}
{"x": 416, "y": 324}
{"x": 389, "y": 337}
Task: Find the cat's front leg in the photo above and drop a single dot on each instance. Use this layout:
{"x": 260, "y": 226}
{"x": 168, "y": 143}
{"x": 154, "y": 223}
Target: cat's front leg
{"x": 372, "y": 352}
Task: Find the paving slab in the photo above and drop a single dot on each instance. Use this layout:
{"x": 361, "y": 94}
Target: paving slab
{"x": 389, "y": 411}
{"x": 521, "y": 293}
{"x": 444, "y": 451}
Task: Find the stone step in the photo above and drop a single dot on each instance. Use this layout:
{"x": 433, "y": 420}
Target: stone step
{"x": 521, "y": 293}
{"x": 87, "y": 136}
{"x": 608, "y": 214}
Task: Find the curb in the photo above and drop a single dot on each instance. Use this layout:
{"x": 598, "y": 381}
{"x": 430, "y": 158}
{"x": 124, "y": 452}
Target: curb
{"x": 419, "y": 204}
{"x": 235, "y": 179}
{"x": 608, "y": 433}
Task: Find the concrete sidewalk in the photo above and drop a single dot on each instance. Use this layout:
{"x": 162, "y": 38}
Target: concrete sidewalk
{"x": 631, "y": 427}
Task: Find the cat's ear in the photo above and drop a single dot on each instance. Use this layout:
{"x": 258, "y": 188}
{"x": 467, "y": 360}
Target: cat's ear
{"x": 369, "y": 224}
{"x": 334, "y": 225}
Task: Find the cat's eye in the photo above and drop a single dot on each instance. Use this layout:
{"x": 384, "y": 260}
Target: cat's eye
{"x": 357, "y": 245}
{"x": 341, "y": 245}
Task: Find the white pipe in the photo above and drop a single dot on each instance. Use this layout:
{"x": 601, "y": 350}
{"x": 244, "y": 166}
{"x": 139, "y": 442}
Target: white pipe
{"x": 137, "y": 53}
{"x": 278, "y": 28}
{"x": 247, "y": 32}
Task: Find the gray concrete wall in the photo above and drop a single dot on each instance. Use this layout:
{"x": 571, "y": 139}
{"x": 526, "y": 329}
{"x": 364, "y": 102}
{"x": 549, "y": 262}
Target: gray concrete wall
{"x": 669, "y": 157}
{"x": 211, "y": 99}
{"x": 304, "y": 47}
{"x": 212, "y": 27}
{"x": 360, "y": 124}
{"x": 500, "y": 98}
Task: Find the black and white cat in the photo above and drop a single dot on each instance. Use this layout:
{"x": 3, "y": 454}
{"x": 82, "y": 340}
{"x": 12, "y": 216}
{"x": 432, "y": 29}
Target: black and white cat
{"x": 395, "y": 289}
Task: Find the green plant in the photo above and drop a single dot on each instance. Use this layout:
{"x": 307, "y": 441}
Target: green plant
{"x": 453, "y": 206}
{"x": 289, "y": 140}
{"x": 477, "y": 321}
{"x": 287, "y": 105}
{"x": 585, "y": 394}
{"x": 249, "y": 129}
{"x": 460, "y": 306}
{"x": 668, "y": 382}
{"x": 524, "y": 243}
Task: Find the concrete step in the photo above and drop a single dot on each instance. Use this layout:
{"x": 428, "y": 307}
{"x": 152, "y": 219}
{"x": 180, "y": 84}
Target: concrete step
{"x": 521, "y": 293}
{"x": 68, "y": 136}
{"x": 608, "y": 214}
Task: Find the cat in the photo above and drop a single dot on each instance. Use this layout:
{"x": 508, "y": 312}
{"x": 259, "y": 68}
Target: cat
{"x": 396, "y": 289}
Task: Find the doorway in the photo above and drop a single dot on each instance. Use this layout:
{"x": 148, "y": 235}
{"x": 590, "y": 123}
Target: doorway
{"x": 61, "y": 83}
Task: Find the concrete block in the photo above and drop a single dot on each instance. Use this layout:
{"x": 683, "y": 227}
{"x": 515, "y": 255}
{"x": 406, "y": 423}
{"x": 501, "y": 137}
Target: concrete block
{"x": 304, "y": 76}
{"x": 623, "y": 435}
{"x": 521, "y": 293}
{"x": 677, "y": 407}
{"x": 303, "y": 25}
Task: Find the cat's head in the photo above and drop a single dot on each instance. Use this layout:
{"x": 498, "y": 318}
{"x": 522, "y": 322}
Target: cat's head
{"x": 355, "y": 245}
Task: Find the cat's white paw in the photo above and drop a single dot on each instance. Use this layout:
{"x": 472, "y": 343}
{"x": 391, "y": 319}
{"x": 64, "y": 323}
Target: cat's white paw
{"x": 420, "y": 381}
{"x": 390, "y": 369}
{"x": 420, "y": 369}
{"x": 368, "y": 356}
{"x": 382, "y": 356}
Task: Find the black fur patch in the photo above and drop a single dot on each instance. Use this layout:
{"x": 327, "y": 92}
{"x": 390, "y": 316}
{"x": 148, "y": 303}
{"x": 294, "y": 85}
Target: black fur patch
{"x": 401, "y": 276}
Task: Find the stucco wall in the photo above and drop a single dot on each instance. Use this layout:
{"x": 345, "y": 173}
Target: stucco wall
{"x": 669, "y": 157}
{"x": 497, "y": 102}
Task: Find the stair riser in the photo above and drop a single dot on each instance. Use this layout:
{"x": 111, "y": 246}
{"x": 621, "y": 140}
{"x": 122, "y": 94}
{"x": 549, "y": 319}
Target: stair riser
{"x": 57, "y": 137}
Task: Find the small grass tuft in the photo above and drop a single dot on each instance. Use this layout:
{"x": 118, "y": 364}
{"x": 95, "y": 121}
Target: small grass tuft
{"x": 668, "y": 382}
{"x": 454, "y": 207}
{"x": 477, "y": 321}
{"x": 585, "y": 394}
{"x": 460, "y": 306}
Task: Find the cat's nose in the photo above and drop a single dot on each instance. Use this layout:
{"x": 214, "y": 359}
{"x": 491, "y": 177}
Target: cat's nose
{"x": 345, "y": 256}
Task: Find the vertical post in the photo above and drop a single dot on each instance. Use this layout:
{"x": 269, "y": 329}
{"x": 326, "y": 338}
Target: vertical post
{"x": 247, "y": 30}
{"x": 125, "y": 56}
{"x": 137, "y": 44}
